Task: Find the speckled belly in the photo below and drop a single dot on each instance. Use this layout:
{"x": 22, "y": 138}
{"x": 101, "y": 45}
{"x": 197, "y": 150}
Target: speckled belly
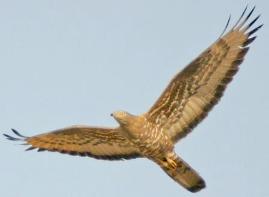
{"x": 153, "y": 143}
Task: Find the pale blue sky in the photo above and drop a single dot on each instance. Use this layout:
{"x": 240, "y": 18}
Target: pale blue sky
{"x": 74, "y": 62}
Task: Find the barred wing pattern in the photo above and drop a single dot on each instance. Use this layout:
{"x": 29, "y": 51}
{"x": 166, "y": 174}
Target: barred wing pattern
{"x": 100, "y": 143}
{"x": 193, "y": 92}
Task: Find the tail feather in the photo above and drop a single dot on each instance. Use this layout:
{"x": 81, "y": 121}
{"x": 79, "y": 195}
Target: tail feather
{"x": 183, "y": 174}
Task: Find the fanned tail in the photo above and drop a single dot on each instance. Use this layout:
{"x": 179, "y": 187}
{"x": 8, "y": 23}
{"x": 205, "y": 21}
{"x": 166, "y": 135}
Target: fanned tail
{"x": 183, "y": 174}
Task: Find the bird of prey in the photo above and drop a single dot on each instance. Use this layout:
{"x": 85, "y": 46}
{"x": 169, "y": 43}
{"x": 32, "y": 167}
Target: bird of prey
{"x": 186, "y": 101}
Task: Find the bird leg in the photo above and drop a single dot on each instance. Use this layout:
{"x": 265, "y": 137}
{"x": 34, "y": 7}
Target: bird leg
{"x": 168, "y": 163}
{"x": 171, "y": 163}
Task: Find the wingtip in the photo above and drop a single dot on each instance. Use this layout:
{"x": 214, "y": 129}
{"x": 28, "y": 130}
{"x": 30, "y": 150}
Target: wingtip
{"x": 254, "y": 30}
{"x": 240, "y": 24}
{"x": 246, "y": 8}
{"x": 6, "y": 135}
{"x": 251, "y": 11}
{"x": 252, "y": 22}
{"x": 249, "y": 40}
{"x": 30, "y": 148}
{"x": 17, "y": 133}
{"x": 242, "y": 15}
{"x": 226, "y": 26}
{"x": 18, "y": 138}
{"x": 9, "y": 137}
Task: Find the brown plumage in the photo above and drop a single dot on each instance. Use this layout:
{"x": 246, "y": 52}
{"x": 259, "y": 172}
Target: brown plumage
{"x": 100, "y": 143}
{"x": 189, "y": 97}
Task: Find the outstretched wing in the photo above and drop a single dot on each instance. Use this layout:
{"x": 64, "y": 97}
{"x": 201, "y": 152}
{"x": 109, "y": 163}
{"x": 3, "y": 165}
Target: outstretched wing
{"x": 100, "y": 143}
{"x": 194, "y": 91}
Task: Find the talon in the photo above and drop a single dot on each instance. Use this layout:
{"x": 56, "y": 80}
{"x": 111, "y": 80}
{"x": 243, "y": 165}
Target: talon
{"x": 172, "y": 163}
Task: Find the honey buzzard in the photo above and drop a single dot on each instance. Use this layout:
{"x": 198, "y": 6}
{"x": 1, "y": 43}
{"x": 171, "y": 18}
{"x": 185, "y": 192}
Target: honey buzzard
{"x": 186, "y": 101}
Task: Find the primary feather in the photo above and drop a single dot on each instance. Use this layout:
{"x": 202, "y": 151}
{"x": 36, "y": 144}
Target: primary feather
{"x": 186, "y": 101}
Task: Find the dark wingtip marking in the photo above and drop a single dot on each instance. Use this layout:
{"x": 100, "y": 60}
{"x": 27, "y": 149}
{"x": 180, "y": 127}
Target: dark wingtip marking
{"x": 11, "y": 138}
{"x": 17, "y": 133}
{"x": 248, "y": 41}
{"x": 243, "y": 13}
{"x": 250, "y": 13}
{"x": 246, "y": 19}
{"x": 226, "y": 26}
{"x": 19, "y": 138}
{"x": 30, "y": 148}
{"x": 252, "y": 22}
{"x": 254, "y": 30}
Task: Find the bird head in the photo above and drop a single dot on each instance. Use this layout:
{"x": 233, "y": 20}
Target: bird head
{"x": 122, "y": 117}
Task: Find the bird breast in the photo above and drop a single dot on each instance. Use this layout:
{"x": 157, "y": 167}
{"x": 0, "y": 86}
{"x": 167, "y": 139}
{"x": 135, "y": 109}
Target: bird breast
{"x": 148, "y": 138}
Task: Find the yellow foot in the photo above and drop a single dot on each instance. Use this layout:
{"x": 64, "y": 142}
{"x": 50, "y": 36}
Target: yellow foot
{"x": 172, "y": 163}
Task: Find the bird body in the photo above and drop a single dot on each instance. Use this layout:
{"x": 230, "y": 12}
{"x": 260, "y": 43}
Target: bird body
{"x": 186, "y": 101}
{"x": 151, "y": 141}
{"x": 154, "y": 144}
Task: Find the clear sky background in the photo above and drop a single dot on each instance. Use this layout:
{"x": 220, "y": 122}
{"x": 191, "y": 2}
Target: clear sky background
{"x": 74, "y": 62}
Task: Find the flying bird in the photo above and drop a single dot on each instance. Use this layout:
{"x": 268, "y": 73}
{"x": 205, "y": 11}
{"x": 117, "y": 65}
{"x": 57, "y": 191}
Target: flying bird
{"x": 185, "y": 102}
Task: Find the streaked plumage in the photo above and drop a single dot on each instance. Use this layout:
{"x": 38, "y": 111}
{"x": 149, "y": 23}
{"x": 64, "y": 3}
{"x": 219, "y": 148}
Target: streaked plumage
{"x": 189, "y": 97}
